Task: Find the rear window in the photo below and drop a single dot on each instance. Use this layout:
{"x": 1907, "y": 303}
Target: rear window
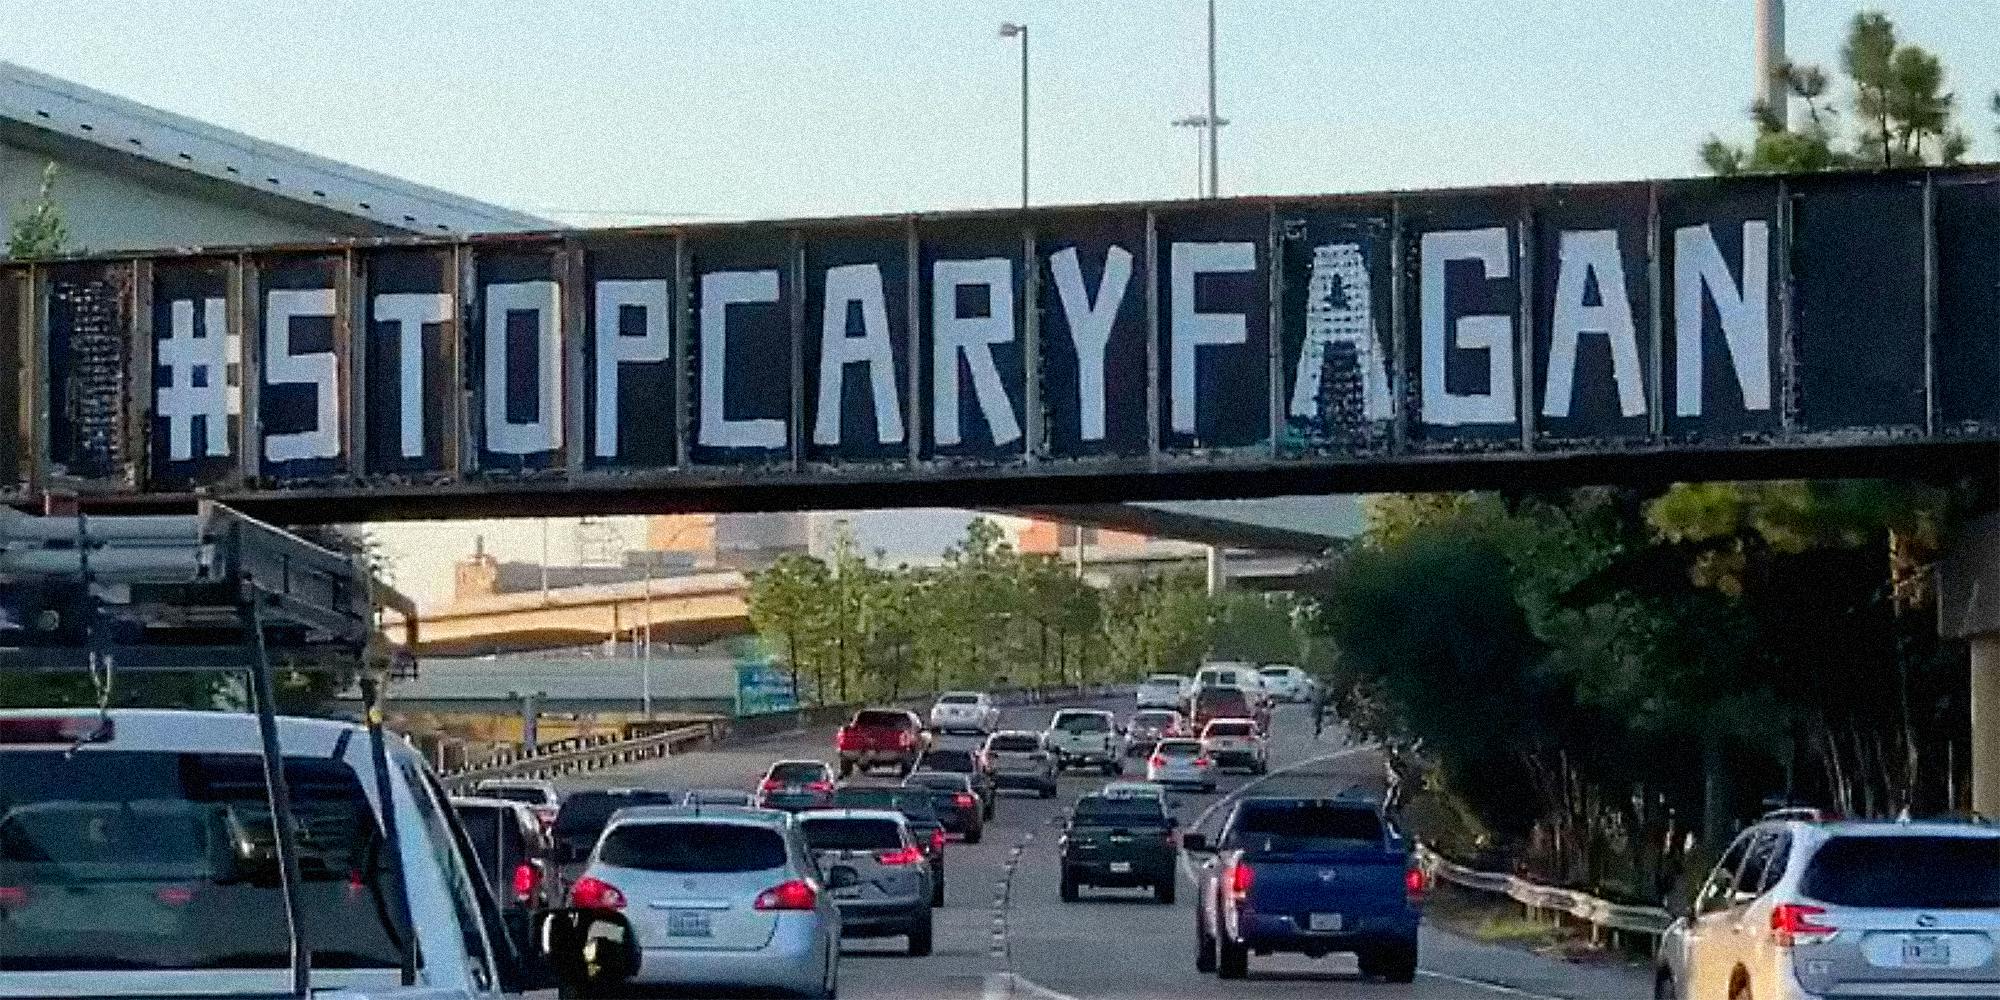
{"x": 959, "y": 699}
{"x": 584, "y": 814}
{"x": 844, "y": 834}
{"x": 138, "y": 860}
{"x": 879, "y": 719}
{"x": 1220, "y": 698}
{"x": 530, "y": 796}
{"x": 1083, "y": 723}
{"x": 939, "y": 780}
{"x": 482, "y": 827}
{"x": 693, "y": 848}
{"x": 1155, "y": 718}
{"x": 1286, "y": 827}
{"x": 1096, "y": 810}
{"x": 1178, "y": 748}
{"x": 1164, "y": 679}
{"x": 1229, "y": 729}
{"x": 799, "y": 771}
{"x": 949, "y": 760}
{"x": 1276, "y": 672}
{"x": 1015, "y": 744}
{"x": 914, "y": 803}
{"x": 1908, "y": 873}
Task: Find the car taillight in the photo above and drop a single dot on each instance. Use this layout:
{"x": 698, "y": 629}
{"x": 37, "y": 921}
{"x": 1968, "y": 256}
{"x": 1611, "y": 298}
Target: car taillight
{"x": 174, "y": 895}
{"x": 13, "y": 895}
{"x": 901, "y": 856}
{"x": 525, "y": 880}
{"x": 546, "y": 815}
{"x": 797, "y": 894}
{"x": 56, "y": 730}
{"x": 1415, "y": 883}
{"x": 843, "y": 740}
{"x": 905, "y": 738}
{"x": 819, "y": 786}
{"x": 1157, "y": 761}
{"x": 1240, "y": 878}
{"x": 1201, "y": 762}
{"x": 1796, "y": 924}
{"x": 772, "y": 784}
{"x": 591, "y": 893}
{"x": 962, "y": 800}
{"x": 937, "y": 841}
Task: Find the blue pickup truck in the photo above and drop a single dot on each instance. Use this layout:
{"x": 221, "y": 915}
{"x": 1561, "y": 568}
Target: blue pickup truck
{"x": 1308, "y": 876}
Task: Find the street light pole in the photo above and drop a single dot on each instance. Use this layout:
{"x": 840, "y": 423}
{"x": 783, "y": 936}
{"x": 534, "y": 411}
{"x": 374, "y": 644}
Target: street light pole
{"x": 1013, "y": 30}
{"x": 1214, "y": 144}
{"x": 1201, "y": 123}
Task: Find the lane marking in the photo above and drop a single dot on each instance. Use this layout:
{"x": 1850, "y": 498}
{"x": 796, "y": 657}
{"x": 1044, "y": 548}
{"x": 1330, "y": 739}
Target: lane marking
{"x": 1485, "y": 985}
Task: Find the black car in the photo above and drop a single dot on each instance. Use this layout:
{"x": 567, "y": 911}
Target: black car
{"x": 916, "y": 806}
{"x": 1120, "y": 841}
{"x": 515, "y": 859}
{"x": 969, "y": 762}
{"x": 957, "y": 805}
{"x": 584, "y": 815}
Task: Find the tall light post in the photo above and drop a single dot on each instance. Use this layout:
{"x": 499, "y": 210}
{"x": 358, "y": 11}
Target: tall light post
{"x": 1013, "y": 30}
{"x": 1200, "y": 123}
{"x": 1214, "y": 119}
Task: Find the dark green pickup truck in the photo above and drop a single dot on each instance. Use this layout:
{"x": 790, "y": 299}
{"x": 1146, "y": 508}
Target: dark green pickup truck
{"x": 1120, "y": 841}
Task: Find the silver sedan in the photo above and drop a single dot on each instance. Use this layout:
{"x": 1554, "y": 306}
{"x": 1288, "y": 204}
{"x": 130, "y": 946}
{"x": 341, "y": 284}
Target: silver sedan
{"x": 1181, "y": 764}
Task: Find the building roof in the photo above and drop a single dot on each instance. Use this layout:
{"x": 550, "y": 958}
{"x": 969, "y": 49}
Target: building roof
{"x": 78, "y": 113}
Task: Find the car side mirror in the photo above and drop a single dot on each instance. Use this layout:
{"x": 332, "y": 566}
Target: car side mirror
{"x": 1196, "y": 843}
{"x": 842, "y": 877}
{"x": 586, "y": 952}
{"x": 1677, "y": 906}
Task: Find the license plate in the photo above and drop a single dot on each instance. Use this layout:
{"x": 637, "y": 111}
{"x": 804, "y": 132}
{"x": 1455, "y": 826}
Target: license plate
{"x": 688, "y": 923}
{"x": 1926, "y": 951}
{"x": 1121, "y": 867}
{"x": 1323, "y": 922}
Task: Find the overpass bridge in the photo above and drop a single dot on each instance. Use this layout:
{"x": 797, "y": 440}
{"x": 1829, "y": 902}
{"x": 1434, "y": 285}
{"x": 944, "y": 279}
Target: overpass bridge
{"x": 685, "y": 610}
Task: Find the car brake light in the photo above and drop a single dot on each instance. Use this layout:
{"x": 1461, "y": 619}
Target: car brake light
{"x": 525, "y": 880}
{"x": 962, "y": 800}
{"x": 843, "y": 739}
{"x": 59, "y": 730}
{"x": 1201, "y": 762}
{"x": 13, "y": 895}
{"x": 772, "y": 784}
{"x": 937, "y": 840}
{"x": 901, "y": 856}
{"x": 174, "y": 895}
{"x": 1414, "y": 884}
{"x": 905, "y": 738}
{"x": 1240, "y": 878}
{"x": 1796, "y": 924}
{"x": 819, "y": 786}
{"x": 1157, "y": 761}
{"x": 590, "y": 893}
{"x": 797, "y": 894}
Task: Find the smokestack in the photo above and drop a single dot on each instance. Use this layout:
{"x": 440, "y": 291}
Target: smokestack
{"x": 1771, "y": 60}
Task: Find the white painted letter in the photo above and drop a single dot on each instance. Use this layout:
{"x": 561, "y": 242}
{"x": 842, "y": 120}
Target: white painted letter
{"x": 719, "y": 291}
{"x": 1089, "y": 321}
{"x": 1191, "y": 329}
{"x": 1744, "y": 312}
{"x": 544, "y": 433}
{"x": 973, "y": 337}
{"x": 846, "y": 284}
{"x": 207, "y": 359}
{"x": 409, "y": 311}
{"x": 1492, "y": 332}
{"x": 1583, "y": 254}
{"x": 282, "y": 367}
{"x": 614, "y": 348}
{"x": 1340, "y": 309}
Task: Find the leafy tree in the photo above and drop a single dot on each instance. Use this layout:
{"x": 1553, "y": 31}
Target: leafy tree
{"x": 788, "y": 608}
{"x": 1902, "y": 114}
{"x": 38, "y": 229}
{"x": 1257, "y": 628}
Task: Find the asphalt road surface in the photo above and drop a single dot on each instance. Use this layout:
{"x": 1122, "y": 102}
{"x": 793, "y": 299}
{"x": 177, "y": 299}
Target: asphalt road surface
{"x": 1003, "y": 931}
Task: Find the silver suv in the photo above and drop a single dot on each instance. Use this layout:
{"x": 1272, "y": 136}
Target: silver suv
{"x": 1801, "y": 908}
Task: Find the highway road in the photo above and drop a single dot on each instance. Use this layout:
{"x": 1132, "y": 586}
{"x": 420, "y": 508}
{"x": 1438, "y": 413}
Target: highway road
{"x": 1005, "y": 933}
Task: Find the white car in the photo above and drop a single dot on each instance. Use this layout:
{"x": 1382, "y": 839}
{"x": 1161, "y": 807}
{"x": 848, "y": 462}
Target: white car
{"x": 1230, "y": 675}
{"x": 1162, "y": 691}
{"x": 1235, "y": 743}
{"x": 719, "y": 898}
{"x": 1082, "y": 737}
{"x": 965, "y": 712}
{"x": 1288, "y": 683}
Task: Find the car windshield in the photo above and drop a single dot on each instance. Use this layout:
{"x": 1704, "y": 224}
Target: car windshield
{"x": 1100, "y": 810}
{"x": 514, "y": 793}
{"x": 843, "y": 833}
{"x": 1179, "y": 748}
{"x": 1276, "y": 671}
{"x": 1229, "y": 729}
{"x": 1154, "y": 719}
{"x": 1083, "y": 722}
{"x": 1014, "y": 744}
{"x": 135, "y": 860}
{"x": 959, "y": 699}
{"x": 939, "y": 780}
{"x": 913, "y": 803}
{"x": 880, "y": 719}
{"x": 1307, "y": 826}
{"x": 693, "y": 848}
{"x": 584, "y": 814}
{"x": 950, "y": 760}
{"x": 798, "y": 772}
{"x": 1907, "y": 873}
{"x": 1164, "y": 679}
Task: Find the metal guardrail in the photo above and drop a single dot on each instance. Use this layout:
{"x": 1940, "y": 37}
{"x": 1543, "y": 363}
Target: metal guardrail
{"x": 585, "y": 755}
{"x": 1651, "y": 921}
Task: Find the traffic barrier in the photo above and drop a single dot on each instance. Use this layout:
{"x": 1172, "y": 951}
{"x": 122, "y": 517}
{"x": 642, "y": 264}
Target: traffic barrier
{"x": 1543, "y": 900}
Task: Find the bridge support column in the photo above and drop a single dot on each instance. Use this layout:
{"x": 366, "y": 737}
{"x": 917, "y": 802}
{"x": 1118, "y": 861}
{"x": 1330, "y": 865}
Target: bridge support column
{"x": 1215, "y": 567}
{"x": 1968, "y": 596}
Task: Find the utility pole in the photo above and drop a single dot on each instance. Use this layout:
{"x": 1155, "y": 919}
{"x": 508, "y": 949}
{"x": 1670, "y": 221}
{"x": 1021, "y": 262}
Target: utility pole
{"x": 1012, "y": 30}
{"x": 1214, "y": 145}
{"x": 1771, "y": 89}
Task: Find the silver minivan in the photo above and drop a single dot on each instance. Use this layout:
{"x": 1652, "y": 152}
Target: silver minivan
{"x": 717, "y": 897}
{"x": 1800, "y": 909}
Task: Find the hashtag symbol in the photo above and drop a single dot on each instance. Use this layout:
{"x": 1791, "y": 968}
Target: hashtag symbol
{"x": 201, "y": 378}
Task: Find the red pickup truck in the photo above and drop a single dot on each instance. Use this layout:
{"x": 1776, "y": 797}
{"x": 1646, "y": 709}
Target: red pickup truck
{"x": 881, "y": 736}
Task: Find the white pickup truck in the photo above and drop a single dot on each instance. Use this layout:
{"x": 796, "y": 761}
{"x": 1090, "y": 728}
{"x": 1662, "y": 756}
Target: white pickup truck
{"x": 1083, "y": 737}
{"x": 139, "y": 860}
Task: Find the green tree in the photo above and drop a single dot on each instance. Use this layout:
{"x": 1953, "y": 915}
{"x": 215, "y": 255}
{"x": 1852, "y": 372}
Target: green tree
{"x": 789, "y": 609}
{"x": 1902, "y": 113}
{"x": 1257, "y": 628}
{"x": 38, "y": 230}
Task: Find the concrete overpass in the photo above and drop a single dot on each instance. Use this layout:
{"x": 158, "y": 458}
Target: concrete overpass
{"x": 686, "y": 610}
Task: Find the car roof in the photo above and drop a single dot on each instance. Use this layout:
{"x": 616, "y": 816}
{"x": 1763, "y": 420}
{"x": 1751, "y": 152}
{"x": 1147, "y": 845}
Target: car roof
{"x": 1828, "y": 829}
{"x": 1030, "y": 734}
{"x": 514, "y": 783}
{"x": 475, "y": 801}
{"x": 742, "y": 815}
{"x": 203, "y": 731}
{"x": 883, "y": 814}
{"x": 959, "y": 777}
{"x": 798, "y": 760}
{"x": 1060, "y": 712}
{"x": 1232, "y": 720}
{"x": 963, "y": 694}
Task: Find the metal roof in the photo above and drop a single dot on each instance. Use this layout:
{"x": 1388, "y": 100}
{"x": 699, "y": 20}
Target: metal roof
{"x": 114, "y": 123}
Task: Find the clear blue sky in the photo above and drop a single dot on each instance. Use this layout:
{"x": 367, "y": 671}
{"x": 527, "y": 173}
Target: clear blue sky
{"x": 734, "y": 108}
